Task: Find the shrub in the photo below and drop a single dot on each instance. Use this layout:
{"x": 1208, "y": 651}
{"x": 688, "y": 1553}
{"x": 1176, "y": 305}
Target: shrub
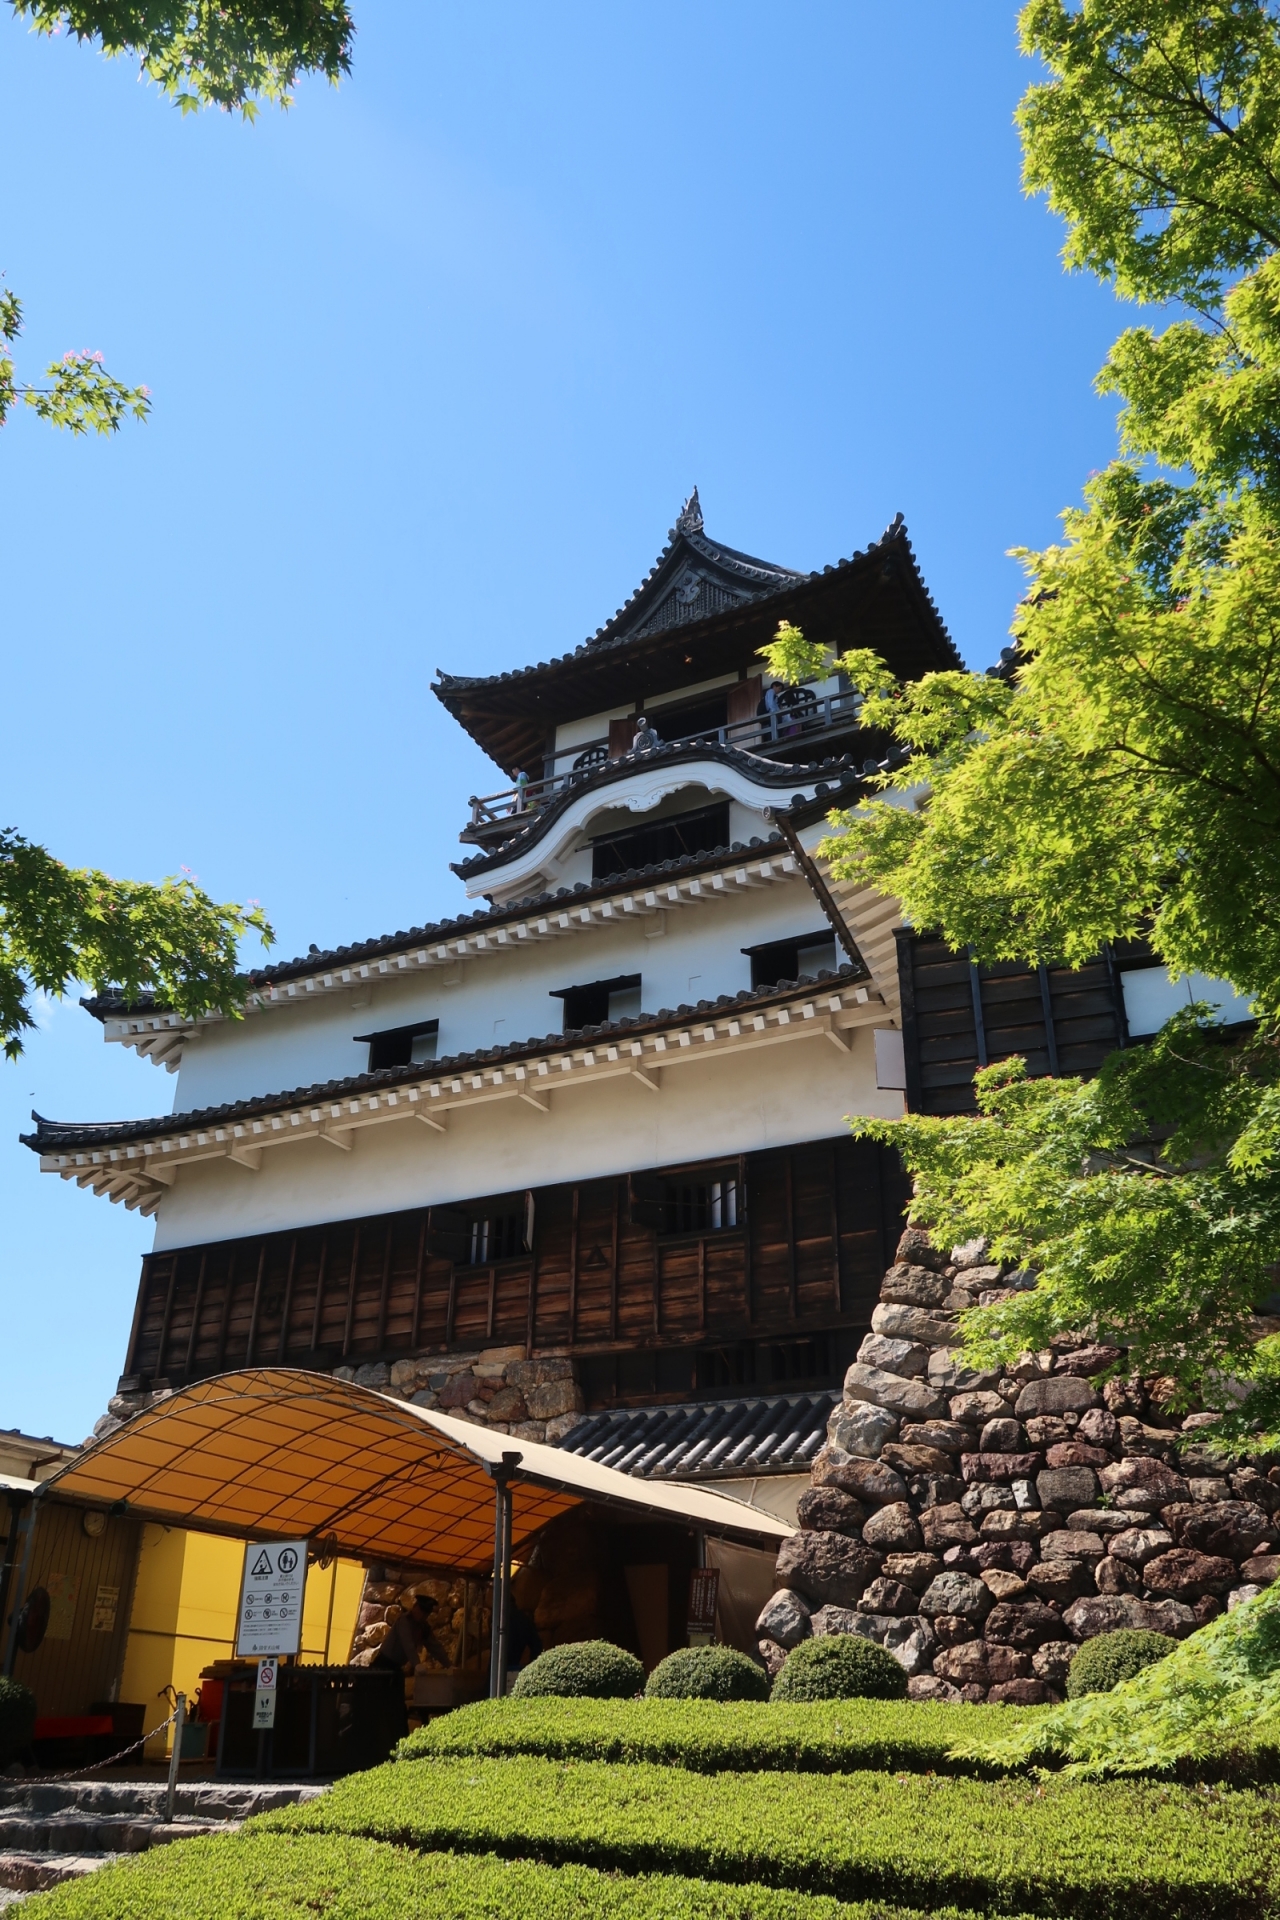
{"x": 740, "y": 1736}
{"x": 582, "y": 1670}
{"x": 1209, "y": 1709}
{"x": 17, "y": 1719}
{"x": 1109, "y": 1658}
{"x": 707, "y": 1673}
{"x": 279, "y": 1876}
{"x": 840, "y": 1666}
{"x": 1115, "y": 1851}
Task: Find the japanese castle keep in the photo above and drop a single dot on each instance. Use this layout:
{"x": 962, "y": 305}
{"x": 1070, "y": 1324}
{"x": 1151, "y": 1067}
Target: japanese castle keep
{"x": 575, "y": 1164}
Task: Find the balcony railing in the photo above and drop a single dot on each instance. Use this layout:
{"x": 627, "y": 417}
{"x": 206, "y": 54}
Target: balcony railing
{"x": 800, "y": 712}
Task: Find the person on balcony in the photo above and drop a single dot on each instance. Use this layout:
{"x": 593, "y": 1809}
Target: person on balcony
{"x": 522, "y": 782}
{"x": 646, "y": 739}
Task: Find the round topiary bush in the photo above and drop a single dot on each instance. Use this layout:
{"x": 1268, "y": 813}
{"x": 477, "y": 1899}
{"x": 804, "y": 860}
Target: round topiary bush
{"x": 840, "y": 1666}
{"x": 582, "y": 1670}
{"x": 707, "y": 1673}
{"x": 1109, "y": 1658}
{"x": 17, "y": 1719}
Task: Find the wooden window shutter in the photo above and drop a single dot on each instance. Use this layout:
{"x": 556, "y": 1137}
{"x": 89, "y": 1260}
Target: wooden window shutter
{"x": 621, "y": 734}
{"x": 743, "y": 700}
{"x": 449, "y": 1234}
{"x": 646, "y": 1194}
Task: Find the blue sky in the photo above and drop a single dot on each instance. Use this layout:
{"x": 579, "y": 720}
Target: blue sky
{"x": 435, "y": 358}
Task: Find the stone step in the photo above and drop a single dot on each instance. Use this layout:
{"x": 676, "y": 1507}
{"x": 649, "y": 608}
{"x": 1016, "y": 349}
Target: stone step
{"x": 32, "y": 1872}
{"x": 211, "y": 1800}
{"x": 97, "y": 1833}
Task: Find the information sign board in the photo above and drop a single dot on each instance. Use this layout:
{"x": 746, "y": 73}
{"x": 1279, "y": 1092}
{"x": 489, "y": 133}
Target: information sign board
{"x": 704, "y": 1589}
{"x": 264, "y": 1696}
{"x": 270, "y": 1618}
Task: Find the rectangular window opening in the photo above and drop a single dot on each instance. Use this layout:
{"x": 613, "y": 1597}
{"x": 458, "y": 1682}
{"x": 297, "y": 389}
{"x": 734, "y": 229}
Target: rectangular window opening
{"x": 802, "y": 956}
{"x": 701, "y": 831}
{"x": 401, "y": 1046}
{"x": 599, "y": 1001}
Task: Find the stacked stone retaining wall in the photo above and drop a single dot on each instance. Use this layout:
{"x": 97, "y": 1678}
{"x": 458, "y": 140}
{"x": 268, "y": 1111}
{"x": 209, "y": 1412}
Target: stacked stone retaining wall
{"x": 981, "y": 1525}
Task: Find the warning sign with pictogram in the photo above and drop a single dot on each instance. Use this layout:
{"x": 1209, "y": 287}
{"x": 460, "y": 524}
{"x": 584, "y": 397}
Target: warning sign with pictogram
{"x": 270, "y": 1617}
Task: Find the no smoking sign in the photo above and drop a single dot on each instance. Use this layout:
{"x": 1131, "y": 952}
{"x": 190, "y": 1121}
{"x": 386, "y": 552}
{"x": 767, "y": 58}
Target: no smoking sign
{"x": 271, "y": 1595}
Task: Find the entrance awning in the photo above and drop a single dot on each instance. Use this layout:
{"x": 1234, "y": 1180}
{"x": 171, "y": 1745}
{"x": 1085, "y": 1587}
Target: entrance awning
{"x": 274, "y": 1452}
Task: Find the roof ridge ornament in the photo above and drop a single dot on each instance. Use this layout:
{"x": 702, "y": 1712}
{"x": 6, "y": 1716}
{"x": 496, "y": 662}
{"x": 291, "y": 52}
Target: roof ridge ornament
{"x": 689, "y": 519}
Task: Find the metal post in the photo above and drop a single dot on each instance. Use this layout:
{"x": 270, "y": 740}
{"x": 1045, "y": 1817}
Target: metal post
{"x": 28, "y": 1525}
{"x": 175, "y": 1756}
{"x": 500, "y": 1614}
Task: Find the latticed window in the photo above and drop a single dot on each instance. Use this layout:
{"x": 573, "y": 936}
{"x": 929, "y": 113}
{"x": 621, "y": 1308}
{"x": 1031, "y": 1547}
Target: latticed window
{"x": 699, "y": 1206}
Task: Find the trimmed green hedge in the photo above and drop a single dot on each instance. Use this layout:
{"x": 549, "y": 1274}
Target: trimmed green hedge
{"x": 1112, "y": 1852}
{"x": 839, "y": 1666}
{"x": 912, "y": 1736}
{"x": 707, "y": 1673}
{"x": 1110, "y": 1658}
{"x": 279, "y": 1877}
{"x": 583, "y": 1670}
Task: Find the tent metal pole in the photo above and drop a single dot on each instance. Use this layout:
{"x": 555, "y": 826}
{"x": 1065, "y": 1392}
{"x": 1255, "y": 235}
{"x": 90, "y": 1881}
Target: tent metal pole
{"x": 500, "y": 1609}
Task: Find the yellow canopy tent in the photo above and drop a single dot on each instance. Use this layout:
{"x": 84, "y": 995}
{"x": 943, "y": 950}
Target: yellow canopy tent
{"x": 275, "y": 1452}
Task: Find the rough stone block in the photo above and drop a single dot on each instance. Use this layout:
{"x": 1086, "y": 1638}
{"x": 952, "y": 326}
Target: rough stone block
{"x": 926, "y": 1686}
{"x": 911, "y": 1397}
{"x": 869, "y": 1482}
{"x": 529, "y": 1430}
{"x": 1061, "y": 1581}
{"x": 912, "y": 1323}
{"x": 827, "y": 1568}
{"x": 1116, "y": 1576}
{"x": 1025, "y": 1624}
{"x": 893, "y": 1529}
{"x": 946, "y": 1436}
{"x": 1004, "y": 1585}
{"x": 1262, "y": 1569}
{"x": 1145, "y": 1477}
{"x": 916, "y": 1460}
{"x": 905, "y": 1357}
{"x": 1088, "y": 1360}
{"x": 562, "y": 1424}
{"x": 957, "y": 1593}
{"x": 916, "y": 1249}
{"x": 971, "y": 1253}
{"x": 556, "y": 1397}
{"x": 914, "y": 1570}
{"x": 784, "y": 1618}
{"x": 1067, "y": 1487}
{"x": 1060, "y": 1393}
{"x": 1074, "y": 1453}
{"x": 911, "y": 1286}
{"x": 963, "y": 1664}
{"x": 911, "y": 1641}
{"x": 1003, "y": 1435}
{"x": 949, "y": 1372}
{"x": 1137, "y": 1545}
{"x": 1002, "y": 1467}
{"x": 1006, "y": 1524}
{"x": 1071, "y": 1543}
{"x": 376, "y": 1374}
{"x": 1183, "y": 1574}
{"x": 860, "y": 1431}
{"x": 1052, "y": 1662}
{"x": 951, "y": 1628}
{"x": 885, "y": 1595}
{"x": 947, "y": 1526}
{"x": 1238, "y": 1595}
{"x": 1233, "y": 1528}
{"x": 975, "y": 1409}
{"x": 828, "y": 1510}
{"x": 1019, "y": 1693}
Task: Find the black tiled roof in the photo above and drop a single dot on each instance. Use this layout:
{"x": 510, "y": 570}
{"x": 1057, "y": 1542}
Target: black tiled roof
{"x": 706, "y": 1440}
{"x": 481, "y": 921}
{"x": 841, "y": 773}
{"x": 57, "y": 1135}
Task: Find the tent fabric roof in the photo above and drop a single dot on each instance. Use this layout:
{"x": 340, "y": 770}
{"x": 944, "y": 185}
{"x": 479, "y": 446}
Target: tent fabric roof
{"x": 277, "y": 1452}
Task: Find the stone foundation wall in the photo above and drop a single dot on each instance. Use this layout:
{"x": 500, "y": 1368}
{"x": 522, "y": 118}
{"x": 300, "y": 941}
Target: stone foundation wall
{"x": 389, "y": 1590}
{"x": 981, "y": 1525}
{"x": 497, "y": 1387}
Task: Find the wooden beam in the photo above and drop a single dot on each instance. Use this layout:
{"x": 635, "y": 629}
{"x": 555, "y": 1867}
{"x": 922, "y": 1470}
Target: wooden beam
{"x": 541, "y": 1103}
{"x": 318, "y": 1309}
{"x": 287, "y": 1308}
{"x": 573, "y": 1268}
{"x": 1050, "y": 1032}
{"x": 702, "y": 1283}
{"x": 428, "y": 1120}
{"x": 835, "y": 1228}
{"x": 193, "y": 1338}
{"x": 493, "y": 1298}
{"x": 792, "y": 1289}
{"x": 167, "y": 1316}
{"x": 139, "y": 1309}
{"x": 257, "y": 1301}
{"x": 452, "y": 1308}
{"x": 613, "y": 1269}
{"x": 226, "y": 1311}
{"x": 979, "y": 1021}
{"x": 416, "y": 1328}
{"x": 351, "y": 1293}
{"x": 386, "y": 1284}
{"x": 648, "y": 1077}
{"x": 250, "y": 1157}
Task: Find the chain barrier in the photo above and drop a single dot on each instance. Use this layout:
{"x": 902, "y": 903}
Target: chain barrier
{"x": 74, "y": 1773}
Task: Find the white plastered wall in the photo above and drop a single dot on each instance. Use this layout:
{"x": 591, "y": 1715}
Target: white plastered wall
{"x": 682, "y": 955}
{"x": 777, "y": 1095}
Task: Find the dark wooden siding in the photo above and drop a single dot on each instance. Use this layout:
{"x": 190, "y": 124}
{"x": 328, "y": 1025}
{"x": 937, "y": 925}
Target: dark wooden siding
{"x": 79, "y": 1662}
{"x": 807, "y": 1256}
{"x": 957, "y": 1017}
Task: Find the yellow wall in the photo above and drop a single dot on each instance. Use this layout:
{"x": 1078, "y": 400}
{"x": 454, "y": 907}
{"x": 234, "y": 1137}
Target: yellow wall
{"x": 184, "y": 1611}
